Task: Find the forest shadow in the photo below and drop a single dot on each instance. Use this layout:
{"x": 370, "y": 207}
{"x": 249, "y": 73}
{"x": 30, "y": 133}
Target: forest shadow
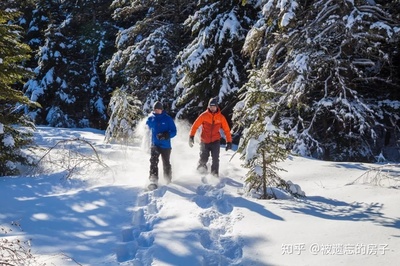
{"x": 200, "y": 196}
{"x": 332, "y": 209}
{"x": 56, "y": 215}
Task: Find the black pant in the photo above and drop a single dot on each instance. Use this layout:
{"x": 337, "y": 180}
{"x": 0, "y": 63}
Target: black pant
{"x": 205, "y": 150}
{"x": 154, "y": 158}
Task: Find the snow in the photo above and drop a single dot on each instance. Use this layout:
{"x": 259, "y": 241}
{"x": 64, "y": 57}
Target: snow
{"x": 300, "y": 63}
{"x": 230, "y": 28}
{"x": 381, "y": 25}
{"x": 8, "y": 140}
{"x": 106, "y": 217}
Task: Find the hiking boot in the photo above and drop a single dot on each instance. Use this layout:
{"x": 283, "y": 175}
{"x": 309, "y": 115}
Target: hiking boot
{"x": 168, "y": 179}
{"x": 215, "y": 175}
{"x": 202, "y": 169}
{"x": 153, "y": 179}
{"x": 152, "y": 186}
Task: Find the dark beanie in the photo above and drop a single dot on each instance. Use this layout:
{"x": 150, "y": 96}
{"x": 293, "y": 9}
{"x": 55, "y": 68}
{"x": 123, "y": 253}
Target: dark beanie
{"x": 213, "y": 102}
{"x": 158, "y": 105}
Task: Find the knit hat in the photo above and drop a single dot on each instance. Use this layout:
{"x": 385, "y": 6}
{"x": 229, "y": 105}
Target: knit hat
{"x": 213, "y": 102}
{"x": 158, "y": 105}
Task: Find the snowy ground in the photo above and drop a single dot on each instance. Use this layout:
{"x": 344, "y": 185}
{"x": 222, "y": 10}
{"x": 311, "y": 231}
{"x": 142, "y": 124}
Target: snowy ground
{"x": 106, "y": 218}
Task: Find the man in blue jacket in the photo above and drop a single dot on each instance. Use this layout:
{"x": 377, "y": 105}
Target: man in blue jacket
{"x": 162, "y": 128}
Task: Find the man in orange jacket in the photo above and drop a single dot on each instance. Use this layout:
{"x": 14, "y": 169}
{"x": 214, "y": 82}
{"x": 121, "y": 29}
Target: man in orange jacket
{"x": 211, "y": 121}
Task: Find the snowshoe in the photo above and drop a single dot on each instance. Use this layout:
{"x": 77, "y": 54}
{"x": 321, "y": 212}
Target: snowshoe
{"x": 152, "y": 186}
{"x": 167, "y": 179}
{"x": 202, "y": 169}
{"x": 153, "y": 182}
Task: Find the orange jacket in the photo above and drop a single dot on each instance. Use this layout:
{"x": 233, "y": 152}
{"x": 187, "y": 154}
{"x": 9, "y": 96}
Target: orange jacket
{"x": 212, "y": 123}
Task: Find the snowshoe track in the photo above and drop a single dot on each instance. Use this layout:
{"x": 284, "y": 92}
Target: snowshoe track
{"x": 137, "y": 240}
{"x": 219, "y": 246}
{"x": 217, "y": 219}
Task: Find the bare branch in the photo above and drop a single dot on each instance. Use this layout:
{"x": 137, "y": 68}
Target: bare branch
{"x": 72, "y": 156}
{"x": 387, "y": 175}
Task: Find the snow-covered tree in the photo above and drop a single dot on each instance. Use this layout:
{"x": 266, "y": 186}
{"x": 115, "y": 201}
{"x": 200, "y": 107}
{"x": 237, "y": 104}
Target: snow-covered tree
{"x": 13, "y": 53}
{"x": 149, "y": 39}
{"x": 212, "y": 64}
{"x": 261, "y": 156}
{"x": 147, "y": 45}
{"x": 331, "y": 66}
{"x": 262, "y": 145}
{"x": 34, "y": 25}
{"x": 75, "y": 43}
{"x": 125, "y": 112}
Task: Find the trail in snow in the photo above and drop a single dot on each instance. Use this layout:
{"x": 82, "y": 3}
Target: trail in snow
{"x": 185, "y": 211}
{"x": 138, "y": 239}
{"x": 217, "y": 220}
{"x": 161, "y": 227}
{"x": 218, "y": 246}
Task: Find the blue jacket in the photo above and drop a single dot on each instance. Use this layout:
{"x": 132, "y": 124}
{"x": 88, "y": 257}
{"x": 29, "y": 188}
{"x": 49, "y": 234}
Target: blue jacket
{"x": 159, "y": 123}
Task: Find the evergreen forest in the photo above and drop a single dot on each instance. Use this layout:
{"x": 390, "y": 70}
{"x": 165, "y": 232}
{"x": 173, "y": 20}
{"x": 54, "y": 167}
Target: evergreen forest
{"x": 324, "y": 75}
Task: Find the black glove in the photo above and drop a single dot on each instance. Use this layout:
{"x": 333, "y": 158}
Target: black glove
{"x": 191, "y": 141}
{"x": 163, "y": 135}
{"x": 228, "y": 146}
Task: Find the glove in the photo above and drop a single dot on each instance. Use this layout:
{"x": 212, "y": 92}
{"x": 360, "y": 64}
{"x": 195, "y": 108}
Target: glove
{"x": 191, "y": 141}
{"x": 163, "y": 135}
{"x": 228, "y": 146}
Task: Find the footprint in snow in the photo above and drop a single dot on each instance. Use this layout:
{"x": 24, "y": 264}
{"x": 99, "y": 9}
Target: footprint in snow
{"x": 220, "y": 248}
{"x": 212, "y": 196}
{"x": 138, "y": 238}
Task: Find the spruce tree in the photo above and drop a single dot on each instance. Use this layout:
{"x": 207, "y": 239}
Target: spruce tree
{"x": 331, "y": 65}
{"x": 262, "y": 145}
{"x": 13, "y": 137}
{"x": 212, "y": 64}
{"x": 75, "y": 42}
{"x": 150, "y": 36}
{"x": 125, "y": 113}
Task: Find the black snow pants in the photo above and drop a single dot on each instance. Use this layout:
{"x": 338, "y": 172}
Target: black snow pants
{"x": 206, "y": 149}
{"x": 165, "y": 157}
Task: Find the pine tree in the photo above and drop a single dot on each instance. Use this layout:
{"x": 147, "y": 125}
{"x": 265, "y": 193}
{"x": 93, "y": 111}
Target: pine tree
{"x": 262, "y": 145}
{"x": 151, "y": 35}
{"x": 76, "y": 42}
{"x": 212, "y": 64}
{"x": 331, "y": 65}
{"x": 150, "y": 38}
{"x": 13, "y": 53}
{"x": 266, "y": 152}
{"x": 125, "y": 113}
